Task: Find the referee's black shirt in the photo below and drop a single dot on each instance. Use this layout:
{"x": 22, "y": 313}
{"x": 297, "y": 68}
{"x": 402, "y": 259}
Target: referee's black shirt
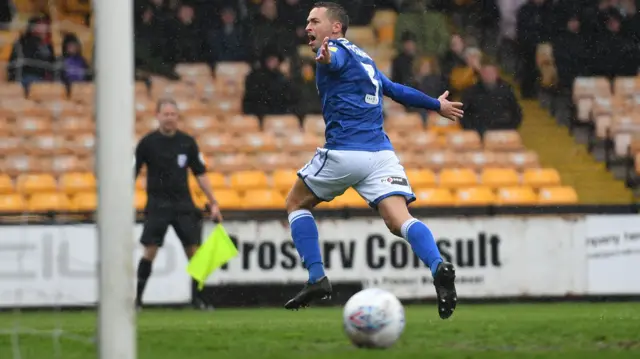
{"x": 168, "y": 159}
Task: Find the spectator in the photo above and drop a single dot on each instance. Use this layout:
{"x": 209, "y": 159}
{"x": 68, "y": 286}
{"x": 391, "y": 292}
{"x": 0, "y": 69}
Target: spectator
{"x": 267, "y": 89}
{"x": 309, "y": 99}
{"x": 615, "y": 54}
{"x": 6, "y": 14}
{"x": 293, "y": 15}
{"x": 570, "y": 54}
{"x": 227, "y": 42}
{"x": 152, "y": 53}
{"x": 32, "y": 57}
{"x": 507, "y": 38}
{"x": 465, "y": 76}
{"x": 402, "y": 66}
{"x": 74, "y": 66}
{"x": 428, "y": 78}
{"x": 187, "y": 41}
{"x": 430, "y": 28}
{"x": 631, "y": 22}
{"x": 268, "y": 32}
{"x": 533, "y": 25}
{"x": 454, "y": 57}
{"x": 491, "y": 104}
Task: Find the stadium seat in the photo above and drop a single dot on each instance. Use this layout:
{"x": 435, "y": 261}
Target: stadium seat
{"x": 262, "y": 199}
{"x": 349, "y": 199}
{"x": 433, "y": 197}
{"x": 60, "y": 109}
{"x": 199, "y": 200}
{"x": 283, "y": 180}
{"x": 499, "y": 177}
{"x": 11, "y": 90}
{"x": 297, "y": 142}
{"x": 228, "y": 199}
{"x": 399, "y": 140}
{"x": 420, "y": 141}
{"x": 17, "y": 164}
{"x": 72, "y": 125}
{"x": 66, "y": 163}
{"x": 217, "y": 180}
{"x": 440, "y": 125}
{"x": 557, "y": 195}
{"x": 362, "y": 35}
{"x": 145, "y": 123}
{"x": 241, "y": 124}
{"x": 212, "y": 144}
{"x": 248, "y": 180}
{"x": 139, "y": 199}
{"x": 6, "y": 184}
{"x": 48, "y": 201}
{"x": 12, "y": 203}
{"x": 173, "y": 89}
{"x": 421, "y": 178}
{"x": 475, "y": 196}
{"x": 281, "y": 125}
{"x": 626, "y": 86}
{"x": 409, "y": 159}
{"x": 6, "y": 126}
{"x": 83, "y": 92}
{"x": 404, "y": 123}
{"x": 84, "y": 202}
{"x": 503, "y": 140}
{"x": 82, "y": 144}
{"x": 44, "y": 91}
{"x": 47, "y": 144}
{"x": 541, "y": 177}
{"x": 314, "y": 124}
{"x": 232, "y": 70}
{"x": 464, "y": 141}
{"x": 256, "y": 143}
{"x": 196, "y": 124}
{"x": 519, "y": 160}
{"x": 227, "y": 106}
{"x": 270, "y": 161}
{"x": 28, "y": 184}
{"x": 77, "y": 182}
{"x": 226, "y": 163}
{"x": 33, "y": 125}
{"x": 11, "y": 146}
{"x": 437, "y": 160}
{"x": 477, "y": 160}
{"x": 517, "y": 195}
{"x": 457, "y": 177}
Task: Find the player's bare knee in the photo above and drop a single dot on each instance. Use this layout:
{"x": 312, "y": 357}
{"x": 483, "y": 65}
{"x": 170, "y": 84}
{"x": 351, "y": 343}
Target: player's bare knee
{"x": 395, "y": 213}
{"x": 150, "y": 252}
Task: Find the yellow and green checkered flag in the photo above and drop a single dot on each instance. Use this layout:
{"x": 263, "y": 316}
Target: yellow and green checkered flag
{"x": 217, "y": 250}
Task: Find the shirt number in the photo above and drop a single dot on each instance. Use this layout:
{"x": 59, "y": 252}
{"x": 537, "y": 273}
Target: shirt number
{"x": 371, "y": 99}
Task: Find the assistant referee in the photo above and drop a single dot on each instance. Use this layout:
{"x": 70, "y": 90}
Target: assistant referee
{"x": 168, "y": 153}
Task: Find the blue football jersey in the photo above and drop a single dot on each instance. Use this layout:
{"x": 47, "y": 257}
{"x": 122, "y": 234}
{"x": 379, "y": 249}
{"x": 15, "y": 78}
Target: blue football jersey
{"x": 351, "y": 91}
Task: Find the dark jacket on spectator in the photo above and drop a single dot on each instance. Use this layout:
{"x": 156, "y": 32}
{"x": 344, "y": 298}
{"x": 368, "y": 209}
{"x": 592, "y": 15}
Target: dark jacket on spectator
{"x": 32, "y": 56}
{"x": 571, "y": 58}
{"x": 227, "y": 43}
{"x": 491, "y": 108}
{"x": 267, "y": 92}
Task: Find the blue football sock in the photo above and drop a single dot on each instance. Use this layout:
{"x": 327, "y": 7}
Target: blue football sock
{"x": 305, "y": 237}
{"x": 422, "y": 242}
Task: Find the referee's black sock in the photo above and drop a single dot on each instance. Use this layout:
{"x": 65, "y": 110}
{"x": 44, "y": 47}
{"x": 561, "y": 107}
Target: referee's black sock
{"x": 144, "y": 271}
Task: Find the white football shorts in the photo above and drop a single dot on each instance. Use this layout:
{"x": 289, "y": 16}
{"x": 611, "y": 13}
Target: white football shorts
{"x": 374, "y": 175}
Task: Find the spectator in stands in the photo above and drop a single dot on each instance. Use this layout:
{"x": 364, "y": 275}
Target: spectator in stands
{"x": 6, "y": 14}
{"x": 309, "y": 100}
{"x": 267, "y": 90}
{"x": 428, "y": 79}
{"x": 293, "y": 15}
{"x": 454, "y": 57}
{"x": 534, "y": 22}
{"x": 75, "y": 67}
{"x": 360, "y": 11}
{"x": 491, "y": 104}
{"x": 464, "y": 76}
{"x": 615, "y": 54}
{"x": 268, "y": 31}
{"x": 430, "y": 28}
{"x": 152, "y": 51}
{"x": 402, "y": 66}
{"x": 187, "y": 41}
{"x": 631, "y": 22}
{"x": 507, "y": 39}
{"x": 32, "y": 57}
{"x": 226, "y": 42}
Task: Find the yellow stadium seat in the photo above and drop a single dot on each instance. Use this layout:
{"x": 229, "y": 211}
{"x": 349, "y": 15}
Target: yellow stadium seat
{"x": 73, "y": 125}
{"x": 197, "y": 124}
{"x": 228, "y": 199}
{"x": 194, "y": 187}
{"x": 77, "y": 182}
{"x": 422, "y": 140}
{"x": 520, "y": 160}
{"x": 541, "y": 177}
{"x": 47, "y": 144}
{"x": 43, "y": 91}
{"x": 349, "y": 199}
{"x": 440, "y": 125}
{"x": 215, "y": 143}
{"x": 297, "y": 142}
{"x": 557, "y": 195}
{"x": 421, "y": 178}
{"x": 404, "y": 123}
{"x": 475, "y": 196}
{"x": 200, "y": 200}
{"x": 437, "y": 160}
{"x": 217, "y": 180}
{"x": 49, "y": 201}
{"x": 84, "y": 202}
{"x": 271, "y": 161}
{"x": 141, "y": 183}
{"x": 457, "y": 177}
{"x": 517, "y": 195}
{"x": 503, "y": 140}
{"x": 33, "y": 125}
{"x": 18, "y": 164}
{"x": 283, "y": 180}
{"x": 314, "y": 124}
{"x": 139, "y": 199}
{"x": 256, "y": 142}
{"x": 6, "y": 184}
{"x": 12, "y": 203}
{"x": 241, "y": 124}
{"x": 227, "y": 163}
{"x": 464, "y": 141}
{"x": 262, "y": 199}
{"x": 499, "y": 177}
{"x": 478, "y": 160}
{"x": 35, "y": 183}
{"x": 433, "y": 197}
{"x": 281, "y": 124}
{"x": 248, "y": 180}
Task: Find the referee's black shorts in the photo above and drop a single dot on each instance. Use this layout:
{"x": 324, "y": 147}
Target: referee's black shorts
{"x": 186, "y": 224}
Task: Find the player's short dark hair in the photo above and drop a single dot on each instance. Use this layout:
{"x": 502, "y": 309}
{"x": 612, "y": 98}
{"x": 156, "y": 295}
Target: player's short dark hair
{"x": 335, "y": 12}
{"x": 165, "y": 101}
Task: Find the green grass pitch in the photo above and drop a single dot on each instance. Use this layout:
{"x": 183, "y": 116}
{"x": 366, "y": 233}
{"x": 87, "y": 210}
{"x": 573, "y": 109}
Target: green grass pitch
{"x": 546, "y": 331}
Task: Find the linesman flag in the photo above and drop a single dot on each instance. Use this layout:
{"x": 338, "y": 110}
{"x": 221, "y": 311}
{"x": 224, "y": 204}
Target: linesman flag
{"x": 217, "y": 250}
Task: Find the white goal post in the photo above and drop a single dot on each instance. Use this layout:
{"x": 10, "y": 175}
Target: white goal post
{"x": 114, "y": 58}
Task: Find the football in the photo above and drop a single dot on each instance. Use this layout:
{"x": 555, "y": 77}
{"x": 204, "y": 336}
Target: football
{"x": 373, "y": 318}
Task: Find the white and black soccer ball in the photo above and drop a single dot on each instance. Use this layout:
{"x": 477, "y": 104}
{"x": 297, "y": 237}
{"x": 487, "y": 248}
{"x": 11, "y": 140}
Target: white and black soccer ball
{"x": 373, "y": 318}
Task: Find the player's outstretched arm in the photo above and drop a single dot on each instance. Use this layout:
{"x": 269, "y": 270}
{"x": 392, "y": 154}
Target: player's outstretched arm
{"x": 330, "y": 55}
{"x": 411, "y": 97}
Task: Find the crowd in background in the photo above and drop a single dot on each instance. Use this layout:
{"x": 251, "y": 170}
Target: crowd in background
{"x": 441, "y": 44}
